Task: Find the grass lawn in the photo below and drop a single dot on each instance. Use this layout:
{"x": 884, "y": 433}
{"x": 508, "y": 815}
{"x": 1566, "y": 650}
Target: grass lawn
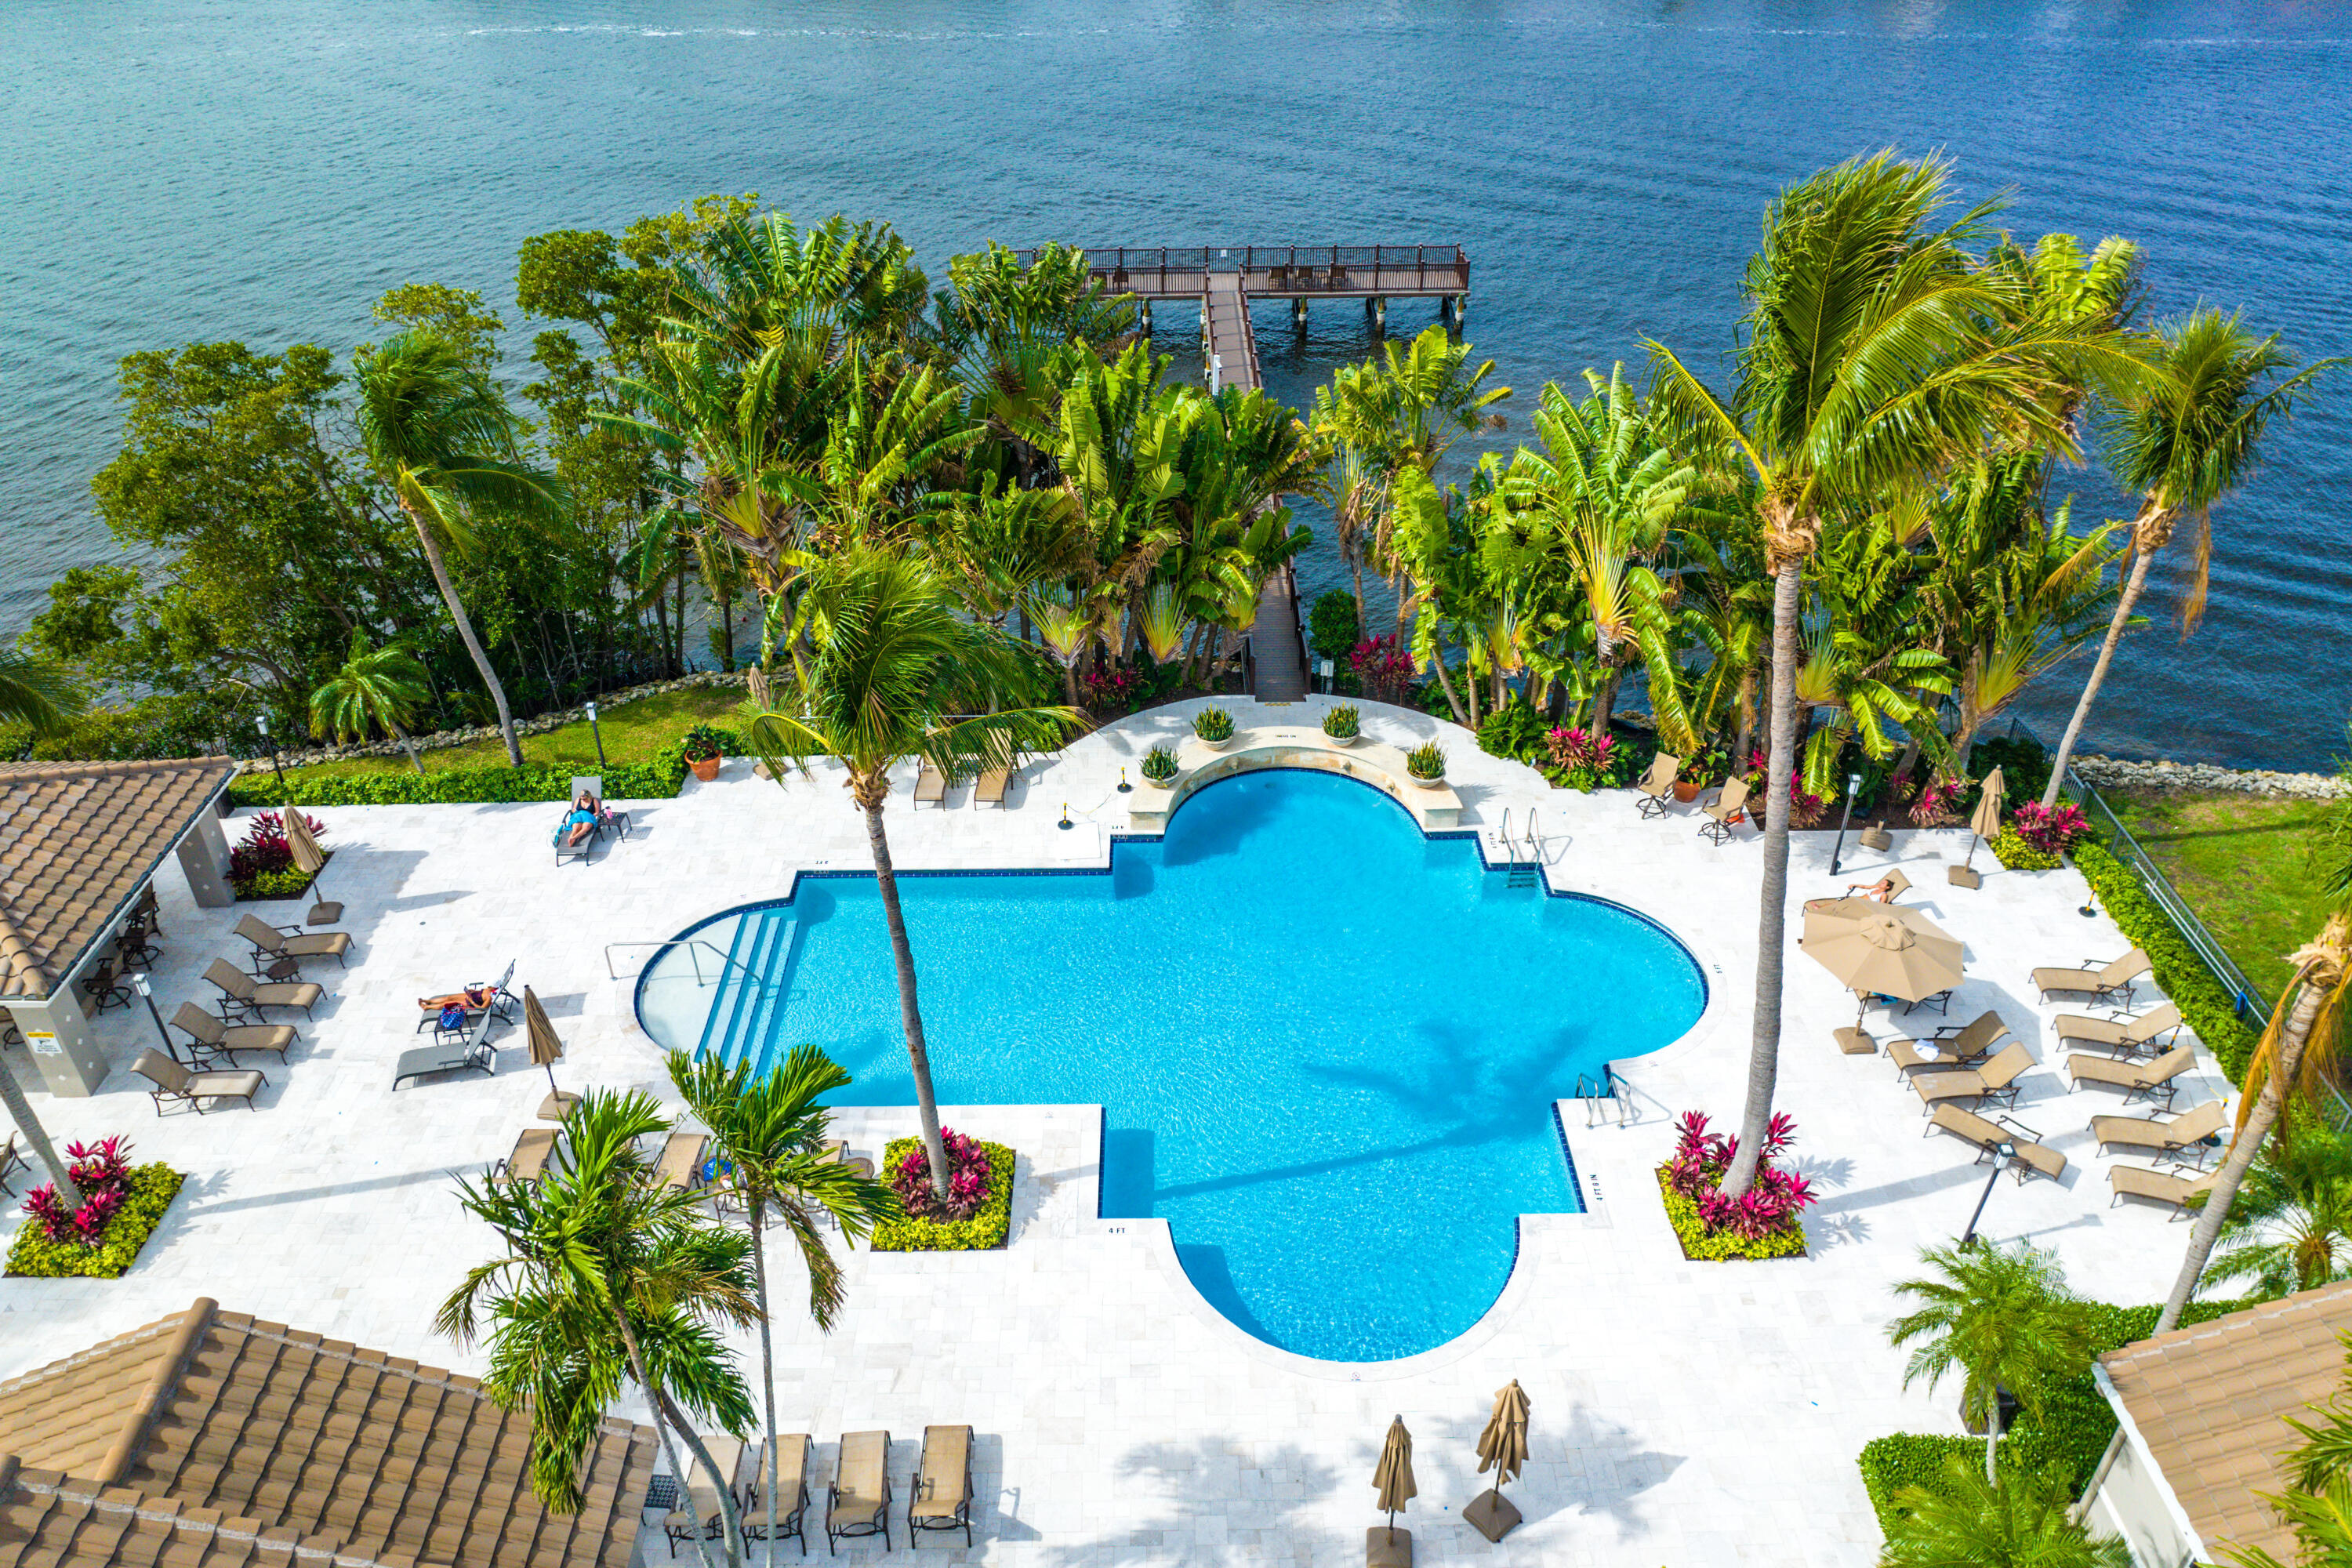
{"x": 633, "y": 733}
{"x": 2243, "y": 862}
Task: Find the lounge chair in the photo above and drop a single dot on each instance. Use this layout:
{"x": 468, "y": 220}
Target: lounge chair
{"x": 534, "y": 1147}
{"x": 213, "y": 1037}
{"x": 2025, "y": 1145}
{"x": 473, "y": 998}
{"x": 791, "y": 1459}
{"x": 10, "y": 1163}
{"x": 990, "y": 791}
{"x": 1730, "y": 807}
{"x": 451, "y": 1051}
{"x": 941, "y": 1498}
{"x": 272, "y": 942}
{"x": 2139, "y": 1080}
{"x": 1995, "y": 1083}
{"x": 2192, "y": 1126}
{"x": 680, "y": 1164}
{"x": 1884, "y": 890}
{"x": 1657, "y": 786}
{"x": 2132, "y": 1182}
{"x": 930, "y": 787}
{"x": 569, "y": 849}
{"x": 858, "y": 1502}
{"x": 2099, "y": 982}
{"x": 593, "y": 786}
{"x": 1955, "y": 1046}
{"x": 701, "y": 1512}
{"x": 176, "y": 1084}
{"x": 244, "y": 996}
{"x": 2124, "y": 1036}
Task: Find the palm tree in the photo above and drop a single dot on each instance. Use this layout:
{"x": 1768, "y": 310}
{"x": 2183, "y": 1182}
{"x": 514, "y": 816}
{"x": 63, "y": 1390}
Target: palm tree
{"x": 609, "y": 1277}
{"x": 1968, "y": 1520}
{"x": 2005, "y": 1320}
{"x": 886, "y": 667}
{"x": 2188, "y": 439}
{"x": 376, "y": 688}
{"x": 2291, "y": 1227}
{"x": 772, "y": 1131}
{"x": 1874, "y": 354}
{"x": 37, "y": 693}
{"x": 443, "y": 438}
{"x": 2318, "y": 1503}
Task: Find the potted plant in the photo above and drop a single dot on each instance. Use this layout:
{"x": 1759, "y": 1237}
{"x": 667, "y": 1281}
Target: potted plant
{"x": 1426, "y": 764}
{"x": 1702, "y": 772}
{"x": 1342, "y": 724}
{"x": 702, "y": 751}
{"x": 1214, "y": 726}
{"x": 1159, "y": 767}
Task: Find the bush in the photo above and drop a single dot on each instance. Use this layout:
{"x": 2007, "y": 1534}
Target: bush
{"x": 1159, "y": 765}
{"x": 968, "y": 1169}
{"x": 1578, "y": 759}
{"x": 658, "y": 780}
{"x": 2052, "y": 832}
{"x": 34, "y": 1255}
{"x": 1383, "y": 671}
{"x": 985, "y": 1229}
{"x": 705, "y": 743}
{"x": 290, "y": 883}
{"x": 1701, "y": 1245}
{"x": 1332, "y": 629}
{"x": 1764, "y": 1216}
{"x": 1515, "y": 731}
{"x": 2025, "y": 765}
{"x": 1213, "y": 725}
{"x": 1343, "y": 722}
{"x": 2013, "y": 851}
{"x": 2205, "y": 1004}
{"x": 1426, "y": 761}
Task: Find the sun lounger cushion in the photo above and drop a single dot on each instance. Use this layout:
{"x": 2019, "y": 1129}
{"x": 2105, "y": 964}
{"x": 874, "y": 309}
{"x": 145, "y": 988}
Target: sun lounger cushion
{"x": 2131, "y": 1181}
{"x": 2141, "y": 1078}
{"x": 860, "y": 1502}
{"x": 1996, "y": 1079}
{"x": 943, "y": 1484}
{"x": 2191, "y": 1126}
{"x": 1987, "y": 1135}
{"x": 680, "y": 1164}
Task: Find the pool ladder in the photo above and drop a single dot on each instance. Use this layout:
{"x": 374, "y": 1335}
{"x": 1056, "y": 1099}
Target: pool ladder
{"x": 1524, "y": 867}
{"x": 1608, "y": 1090}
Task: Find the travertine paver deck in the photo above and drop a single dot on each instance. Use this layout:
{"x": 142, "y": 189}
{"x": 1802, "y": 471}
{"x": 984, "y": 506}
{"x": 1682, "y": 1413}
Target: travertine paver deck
{"x": 1683, "y": 1413}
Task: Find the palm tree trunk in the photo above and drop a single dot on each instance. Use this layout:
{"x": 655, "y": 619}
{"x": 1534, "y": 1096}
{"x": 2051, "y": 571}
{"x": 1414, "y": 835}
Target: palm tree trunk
{"x": 1437, "y": 661}
{"x": 466, "y": 634}
{"x": 730, "y": 1517}
{"x": 911, "y": 1015}
{"x": 20, "y": 1111}
{"x": 1605, "y": 706}
{"x": 2248, "y": 1144}
{"x": 660, "y": 1406}
{"x": 757, "y": 1208}
{"x": 414, "y": 760}
{"x": 1992, "y": 1440}
{"x": 1772, "y": 921}
{"x": 2132, "y": 585}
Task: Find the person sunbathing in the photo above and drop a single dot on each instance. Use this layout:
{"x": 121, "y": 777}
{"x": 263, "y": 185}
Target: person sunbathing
{"x": 1882, "y": 891}
{"x": 585, "y": 815}
{"x": 473, "y": 998}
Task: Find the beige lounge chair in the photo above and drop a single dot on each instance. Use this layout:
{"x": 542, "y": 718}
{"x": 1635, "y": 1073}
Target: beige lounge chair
{"x": 680, "y": 1164}
{"x": 930, "y": 787}
{"x": 2025, "y": 1145}
{"x": 1995, "y": 1083}
{"x": 1955, "y": 1045}
{"x": 2132, "y": 1182}
{"x": 534, "y": 1147}
{"x": 2122, "y": 1036}
{"x": 2193, "y": 1125}
{"x": 249, "y": 996}
{"x": 176, "y": 1084}
{"x": 1895, "y": 883}
{"x": 269, "y": 942}
{"x": 213, "y": 1037}
{"x": 2099, "y": 982}
{"x": 1729, "y": 807}
{"x": 10, "y": 1163}
{"x": 1657, "y": 786}
{"x": 701, "y": 1510}
{"x": 990, "y": 791}
{"x": 792, "y": 1453}
{"x": 2139, "y": 1080}
{"x": 941, "y": 1495}
{"x": 858, "y": 1501}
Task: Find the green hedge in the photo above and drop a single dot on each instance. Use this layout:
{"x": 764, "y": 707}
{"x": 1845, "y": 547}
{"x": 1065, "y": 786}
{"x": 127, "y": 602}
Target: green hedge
{"x": 1701, "y": 1247}
{"x": 2204, "y": 1002}
{"x": 982, "y": 1231}
{"x": 2013, "y": 851}
{"x": 33, "y": 1256}
{"x": 658, "y": 780}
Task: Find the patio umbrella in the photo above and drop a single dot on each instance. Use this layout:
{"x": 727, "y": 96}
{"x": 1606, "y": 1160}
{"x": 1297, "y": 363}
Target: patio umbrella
{"x": 1394, "y": 1475}
{"x": 311, "y": 860}
{"x": 1986, "y": 821}
{"x": 1503, "y": 1448}
{"x": 1881, "y": 949}
{"x": 546, "y": 1050}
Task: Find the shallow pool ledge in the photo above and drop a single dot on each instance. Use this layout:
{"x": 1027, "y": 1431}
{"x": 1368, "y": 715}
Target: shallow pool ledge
{"x": 1437, "y": 808}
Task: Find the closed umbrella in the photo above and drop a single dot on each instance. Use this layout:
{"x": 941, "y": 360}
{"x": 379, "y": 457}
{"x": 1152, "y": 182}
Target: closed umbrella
{"x": 1394, "y": 1478}
{"x": 546, "y": 1050}
{"x": 1502, "y": 1448}
{"x": 311, "y": 860}
{"x": 1985, "y": 824}
{"x": 1882, "y": 950}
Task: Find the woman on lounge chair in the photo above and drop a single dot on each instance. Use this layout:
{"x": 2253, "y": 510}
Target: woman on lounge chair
{"x": 1883, "y": 890}
{"x": 582, "y": 820}
{"x": 473, "y": 998}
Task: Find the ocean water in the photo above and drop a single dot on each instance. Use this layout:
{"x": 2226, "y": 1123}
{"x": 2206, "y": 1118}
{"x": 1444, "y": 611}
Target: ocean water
{"x": 183, "y": 169}
{"x": 1327, "y": 1047}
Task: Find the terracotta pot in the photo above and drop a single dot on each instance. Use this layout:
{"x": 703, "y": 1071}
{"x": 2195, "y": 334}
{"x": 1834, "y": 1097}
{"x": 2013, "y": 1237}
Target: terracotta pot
{"x": 705, "y": 768}
{"x": 1685, "y": 790}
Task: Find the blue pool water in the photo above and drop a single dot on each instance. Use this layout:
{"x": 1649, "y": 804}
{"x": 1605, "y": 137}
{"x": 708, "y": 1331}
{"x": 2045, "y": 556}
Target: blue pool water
{"x": 1326, "y": 1046}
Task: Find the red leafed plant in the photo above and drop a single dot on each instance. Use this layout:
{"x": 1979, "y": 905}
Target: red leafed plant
{"x": 967, "y": 1180}
{"x": 2052, "y": 830}
{"x": 1938, "y": 803}
{"x": 1580, "y": 750}
{"x": 264, "y": 848}
{"x": 1383, "y": 667}
{"x": 103, "y": 1171}
{"x": 1770, "y": 1203}
{"x": 1804, "y": 810}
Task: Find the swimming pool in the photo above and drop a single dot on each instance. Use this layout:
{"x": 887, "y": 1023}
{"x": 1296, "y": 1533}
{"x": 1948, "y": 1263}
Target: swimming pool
{"x": 1327, "y": 1047}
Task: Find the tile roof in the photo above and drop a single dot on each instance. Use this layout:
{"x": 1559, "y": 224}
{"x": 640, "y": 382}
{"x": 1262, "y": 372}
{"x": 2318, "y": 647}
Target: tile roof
{"x": 212, "y": 1440}
{"x": 2210, "y": 1402}
{"x": 77, "y": 841}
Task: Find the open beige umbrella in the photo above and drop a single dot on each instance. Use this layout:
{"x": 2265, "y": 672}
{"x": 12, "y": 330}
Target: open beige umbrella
{"x": 1503, "y": 1448}
{"x": 1882, "y": 949}
{"x": 311, "y": 860}
{"x": 546, "y": 1050}
{"x": 1394, "y": 1478}
{"x": 1984, "y": 825}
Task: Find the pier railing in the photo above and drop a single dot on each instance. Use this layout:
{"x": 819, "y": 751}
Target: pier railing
{"x": 1281, "y": 271}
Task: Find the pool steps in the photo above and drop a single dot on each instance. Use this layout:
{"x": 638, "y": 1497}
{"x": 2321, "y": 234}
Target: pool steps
{"x": 743, "y": 1015}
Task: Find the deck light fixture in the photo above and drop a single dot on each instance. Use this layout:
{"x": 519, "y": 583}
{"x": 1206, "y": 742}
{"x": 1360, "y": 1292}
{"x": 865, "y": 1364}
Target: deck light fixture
{"x": 596, "y": 731}
{"x": 2002, "y": 1154}
{"x": 1853, "y": 787}
{"x": 147, "y": 994}
{"x": 261, "y": 722}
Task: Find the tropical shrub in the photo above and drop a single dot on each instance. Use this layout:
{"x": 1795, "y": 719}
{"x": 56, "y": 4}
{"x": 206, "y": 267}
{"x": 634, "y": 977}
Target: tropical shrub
{"x": 1960, "y": 1517}
{"x": 1213, "y": 725}
{"x": 2010, "y": 847}
{"x": 1382, "y": 669}
{"x": 1766, "y": 1212}
{"x": 1342, "y": 722}
{"x": 103, "y": 1171}
{"x": 1579, "y": 758}
{"x": 262, "y": 865}
{"x": 1708, "y": 769}
{"x": 2205, "y": 1004}
{"x": 985, "y": 1227}
{"x": 1515, "y": 731}
{"x": 1426, "y": 761}
{"x": 147, "y": 1191}
{"x": 287, "y": 884}
{"x": 1159, "y": 765}
{"x": 2025, "y": 765}
{"x": 1805, "y": 808}
{"x": 910, "y": 1178}
{"x": 705, "y": 743}
{"x": 1332, "y": 629}
{"x": 1117, "y": 687}
{"x": 2054, "y": 830}
{"x": 1938, "y": 803}
{"x": 656, "y": 779}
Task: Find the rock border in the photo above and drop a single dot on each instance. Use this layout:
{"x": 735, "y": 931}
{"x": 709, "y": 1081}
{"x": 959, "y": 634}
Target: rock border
{"x": 2179, "y": 778}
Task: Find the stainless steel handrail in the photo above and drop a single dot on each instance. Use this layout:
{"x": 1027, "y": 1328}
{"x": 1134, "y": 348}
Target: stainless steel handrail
{"x": 690, "y": 943}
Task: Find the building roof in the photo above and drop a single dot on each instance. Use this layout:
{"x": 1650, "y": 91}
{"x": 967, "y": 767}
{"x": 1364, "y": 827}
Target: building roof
{"x": 211, "y": 1440}
{"x": 77, "y": 840}
{"x": 2210, "y": 1404}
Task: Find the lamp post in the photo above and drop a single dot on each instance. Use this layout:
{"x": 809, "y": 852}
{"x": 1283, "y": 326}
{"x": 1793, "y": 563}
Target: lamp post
{"x": 598, "y": 730}
{"x": 1853, "y": 787}
{"x": 2002, "y": 1154}
{"x": 1323, "y": 668}
{"x": 261, "y": 722}
{"x": 147, "y": 994}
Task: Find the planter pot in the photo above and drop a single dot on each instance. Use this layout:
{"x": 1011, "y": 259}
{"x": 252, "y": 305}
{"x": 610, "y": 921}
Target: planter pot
{"x": 705, "y": 769}
{"x": 1150, "y": 783}
{"x": 1876, "y": 838}
{"x": 1437, "y": 782}
{"x": 1685, "y": 790}
{"x": 1343, "y": 741}
{"x": 1216, "y": 745}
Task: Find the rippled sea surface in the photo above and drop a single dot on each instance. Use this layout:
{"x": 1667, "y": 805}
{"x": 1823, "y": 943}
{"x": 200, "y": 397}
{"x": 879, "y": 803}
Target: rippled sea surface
{"x": 262, "y": 170}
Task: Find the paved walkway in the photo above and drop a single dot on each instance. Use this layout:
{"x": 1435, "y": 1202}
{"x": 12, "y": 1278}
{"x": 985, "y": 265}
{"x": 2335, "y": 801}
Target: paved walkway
{"x": 1683, "y": 1413}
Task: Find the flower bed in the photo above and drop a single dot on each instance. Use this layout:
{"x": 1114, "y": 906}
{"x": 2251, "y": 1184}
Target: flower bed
{"x": 1760, "y": 1223}
{"x": 988, "y": 1209}
{"x": 123, "y": 1211}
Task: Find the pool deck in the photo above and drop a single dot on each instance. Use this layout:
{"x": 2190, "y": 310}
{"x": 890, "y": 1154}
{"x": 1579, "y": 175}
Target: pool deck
{"x": 1682, "y": 1413}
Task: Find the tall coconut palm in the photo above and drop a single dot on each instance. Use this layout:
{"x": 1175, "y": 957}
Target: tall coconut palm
{"x": 1968, "y": 1520}
{"x": 886, "y": 668}
{"x": 377, "y": 688}
{"x": 2318, "y": 1502}
{"x": 771, "y": 1129}
{"x": 609, "y": 1277}
{"x": 2003, "y": 1318}
{"x": 2290, "y": 1228}
{"x": 445, "y": 441}
{"x": 1874, "y": 353}
{"x": 2188, "y": 438}
{"x": 38, "y": 693}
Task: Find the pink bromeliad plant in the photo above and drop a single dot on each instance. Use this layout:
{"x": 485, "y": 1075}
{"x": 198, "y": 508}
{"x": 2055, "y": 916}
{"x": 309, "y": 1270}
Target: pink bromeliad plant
{"x": 1578, "y": 750}
{"x": 2054, "y": 830}
{"x": 1769, "y": 1205}
{"x": 103, "y": 1171}
{"x": 968, "y": 1176}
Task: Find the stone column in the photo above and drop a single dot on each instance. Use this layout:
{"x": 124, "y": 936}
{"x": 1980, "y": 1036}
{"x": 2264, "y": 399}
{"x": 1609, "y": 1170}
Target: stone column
{"x": 204, "y": 856}
{"x": 62, "y": 1045}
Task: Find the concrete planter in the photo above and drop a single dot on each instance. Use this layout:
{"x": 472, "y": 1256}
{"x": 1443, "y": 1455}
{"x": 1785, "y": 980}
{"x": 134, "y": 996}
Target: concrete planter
{"x": 1342, "y": 742}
